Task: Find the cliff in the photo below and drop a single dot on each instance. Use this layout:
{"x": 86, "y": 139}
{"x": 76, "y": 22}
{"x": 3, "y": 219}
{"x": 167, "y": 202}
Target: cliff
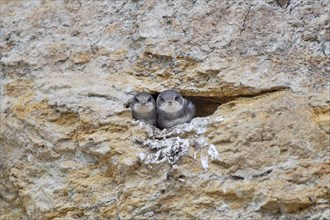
{"x": 258, "y": 72}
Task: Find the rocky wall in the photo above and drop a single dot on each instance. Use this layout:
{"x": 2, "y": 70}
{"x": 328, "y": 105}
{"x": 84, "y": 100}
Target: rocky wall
{"x": 257, "y": 70}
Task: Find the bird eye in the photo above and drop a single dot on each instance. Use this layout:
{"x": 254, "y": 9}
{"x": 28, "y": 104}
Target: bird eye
{"x": 176, "y": 98}
{"x": 162, "y": 99}
{"x": 149, "y": 99}
{"x": 136, "y": 100}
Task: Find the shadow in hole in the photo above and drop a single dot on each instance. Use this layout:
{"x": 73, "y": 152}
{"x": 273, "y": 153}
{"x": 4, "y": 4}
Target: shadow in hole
{"x": 205, "y": 106}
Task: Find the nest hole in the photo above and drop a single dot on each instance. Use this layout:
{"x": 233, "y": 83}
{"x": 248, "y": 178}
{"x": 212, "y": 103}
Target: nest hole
{"x": 205, "y": 106}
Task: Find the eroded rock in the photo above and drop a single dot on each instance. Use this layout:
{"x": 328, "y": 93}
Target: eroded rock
{"x": 259, "y": 148}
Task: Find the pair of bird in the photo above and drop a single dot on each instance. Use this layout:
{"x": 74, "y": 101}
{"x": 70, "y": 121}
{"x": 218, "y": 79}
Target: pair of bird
{"x": 168, "y": 110}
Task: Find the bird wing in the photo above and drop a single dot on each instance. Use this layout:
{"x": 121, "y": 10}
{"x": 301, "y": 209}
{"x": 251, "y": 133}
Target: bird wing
{"x": 191, "y": 109}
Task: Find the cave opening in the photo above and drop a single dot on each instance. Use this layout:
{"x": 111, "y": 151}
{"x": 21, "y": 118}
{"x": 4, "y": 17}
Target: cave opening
{"x": 205, "y": 106}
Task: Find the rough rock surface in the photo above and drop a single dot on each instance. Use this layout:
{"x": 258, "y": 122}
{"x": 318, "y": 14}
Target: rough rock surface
{"x": 257, "y": 70}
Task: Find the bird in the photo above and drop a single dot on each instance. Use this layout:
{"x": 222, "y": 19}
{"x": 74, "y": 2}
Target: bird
{"x": 173, "y": 109}
{"x": 143, "y": 108}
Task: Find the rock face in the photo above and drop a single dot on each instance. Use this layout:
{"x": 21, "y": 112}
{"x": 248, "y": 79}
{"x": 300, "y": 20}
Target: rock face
{"x": 258, "y": 72}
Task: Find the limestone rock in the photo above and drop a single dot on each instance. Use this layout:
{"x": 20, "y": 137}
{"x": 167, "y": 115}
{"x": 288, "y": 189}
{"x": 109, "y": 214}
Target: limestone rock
{"x": 258, "y": 72}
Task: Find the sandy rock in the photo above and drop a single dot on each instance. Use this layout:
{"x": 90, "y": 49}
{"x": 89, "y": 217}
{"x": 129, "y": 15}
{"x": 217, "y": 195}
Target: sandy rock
{"x": 257, "y": 72}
